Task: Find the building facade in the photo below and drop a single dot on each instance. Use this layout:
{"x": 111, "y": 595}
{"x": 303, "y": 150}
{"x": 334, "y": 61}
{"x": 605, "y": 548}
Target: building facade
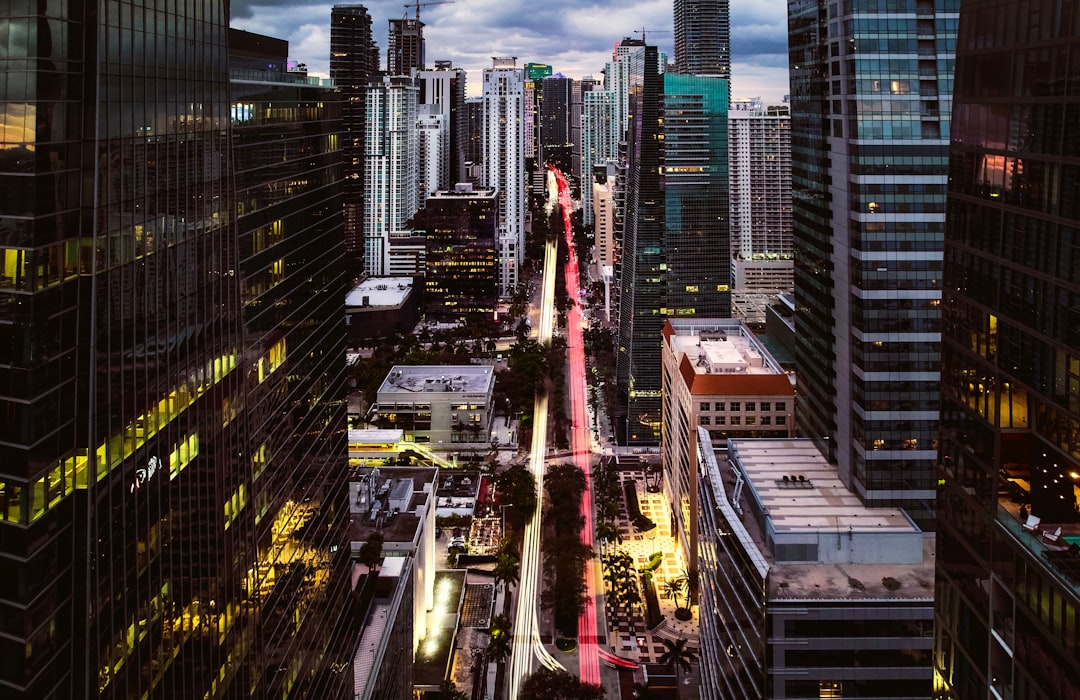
{"x": 759, "y": 145}
{"x": 391, "y": 195}
{"x": 719, "y": 377}
{"x": 405, "y": 47}
{"x": 556, "y": 145}
{"x": 503, "y": 161}
{"x": 869, "y": 154}
{"x": 433, "y": 147}
{"x": 462, "y": 234}
{"x": 703, "y": 37}
{"x": 438, "y": 405}
{"x": 354, "y": 60}
{"x": 443, "y": 90}
{"x": 804, "y": 591}
{"x": 136, "y": 509}
{"x": 1009, "y": 595}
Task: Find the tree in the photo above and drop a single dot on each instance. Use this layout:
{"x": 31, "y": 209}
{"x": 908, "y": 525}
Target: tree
{"x": 508, "y": 571}
{"x": 693, "y": 585}
{"x": 672, "y": 589}
{"x": 502, "y": 639}
{"x": 677, "y": 654}
{"x": 449, "y": 691}
{"x": 371, "y": 551}
{"x": 546, "y": 684}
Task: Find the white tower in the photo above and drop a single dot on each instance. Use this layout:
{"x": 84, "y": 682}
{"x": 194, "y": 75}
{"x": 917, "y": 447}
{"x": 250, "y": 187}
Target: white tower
{"x": 503, "y": 143}
{"x": 390, "y": 156}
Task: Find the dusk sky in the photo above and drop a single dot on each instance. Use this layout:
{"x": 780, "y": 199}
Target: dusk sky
{"x": 574, "y": 36}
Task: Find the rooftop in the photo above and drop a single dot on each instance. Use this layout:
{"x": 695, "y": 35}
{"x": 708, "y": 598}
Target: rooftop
{"x": 399, "y": 489}
{"x": 801, "y": 491}
{"x": 850, "y": 551}
{"x": 380, "y": 291}
{"x": 717, "y": 356}
{"x": 461, "y": 379}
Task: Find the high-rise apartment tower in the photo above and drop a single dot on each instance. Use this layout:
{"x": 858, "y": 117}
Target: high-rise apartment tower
{"x": 503, "y": 161}
{"x": 703, "y": 37}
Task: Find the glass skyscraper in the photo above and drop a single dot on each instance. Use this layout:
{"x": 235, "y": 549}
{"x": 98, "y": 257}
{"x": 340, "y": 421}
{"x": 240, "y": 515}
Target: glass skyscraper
{"x": 1008, "y": 574}
{"x": 675, "y": 231}
{"x": 150, "y": 540}
{"x": 871, "y": 86}
{"x": 703, "y": 37}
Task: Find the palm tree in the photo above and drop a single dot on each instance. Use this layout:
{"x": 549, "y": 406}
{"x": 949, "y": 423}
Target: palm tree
{"x": 608, "y": 531}
{"x": 677, "y": 654}
{"x": 693, "y": 585}
{"x": 500, "y": 646}
{"x": 672, "y": 589}
{"x": 507, "y": 571}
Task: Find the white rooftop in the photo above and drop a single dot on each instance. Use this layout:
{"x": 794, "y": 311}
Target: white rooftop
{"x": 380, "y": 291}
{"x": 726, "y": 349}
{"x": 378, "y": 436}
{"x": 817, "y": 501}
{"x": 461, "y": 379}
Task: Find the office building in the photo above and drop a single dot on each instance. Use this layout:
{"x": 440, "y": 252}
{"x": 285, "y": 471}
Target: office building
{"x": 405, "y": 46}
{"x": 438, "y": 405}
{"x": 869, "y": 153}
{"x": 1008, "y": 574}
{"x": 286, "y": 129}
{"x": 703, "y": 37}
{"x": 643, "y": 264}
{"x": 675, "y": 240}
{"x": 805, "y": 592}
{"x": 138, "y": 518}
{"x": 443, "y": 90}
{"x": 391, "y": 195}
{"x": 381, "y": 306}
{"x": 462, "y": 235}
{"x": 719, "y": 377}
{"x": 580, "y": 88}
{"x": 759, "y": 145}
{"x": 535, "y": 73}
{"x": 503, "y": 161}
{"x": 354, "y": 60}
{"x": 474, "y": 138}
{"x": 556, "y": 146}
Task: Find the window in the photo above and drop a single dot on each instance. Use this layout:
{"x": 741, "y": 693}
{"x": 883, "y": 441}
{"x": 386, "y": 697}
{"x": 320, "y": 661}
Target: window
{"x": 719, "y": 406}
{"x": 735, "y": 420}
{"x": 751, "y": 420}
{"x": 704, "y": 405}
{"x": 766, "y": 420}
{"x": 781, "y": 420}
{"x": 766, "y": 405}
{"x": 703, "y": 420}
{"x": 751, "y": 406}
{"x": 781, "y": 406}
{"x": 735, "y": 406}
{"x": 720, "y": 420}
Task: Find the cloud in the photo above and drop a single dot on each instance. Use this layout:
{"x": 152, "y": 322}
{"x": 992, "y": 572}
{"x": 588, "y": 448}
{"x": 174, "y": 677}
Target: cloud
{"x": 574, "y": 37}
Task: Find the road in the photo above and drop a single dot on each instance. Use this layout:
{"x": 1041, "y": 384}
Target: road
{"x": 526, "y": 646}
{"x": 580, "y": 441}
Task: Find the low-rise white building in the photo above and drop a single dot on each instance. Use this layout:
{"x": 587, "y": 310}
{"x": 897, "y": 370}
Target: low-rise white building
{"x": 441, "y": 405}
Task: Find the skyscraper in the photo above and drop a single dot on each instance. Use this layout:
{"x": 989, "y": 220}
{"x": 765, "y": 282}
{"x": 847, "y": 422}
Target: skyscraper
{"x": 759, "y": 143}
{"x": 502, "y": 143}
{"x": 1008, "y": 576}
{"x": 443, "y": 88}
{"x": 462, "y": 233}
{"x": 391, "y": 195}
{"x": 405, "y": 46}
{"x": 643, "y": 263}
{"x": 354, "y": 60}
{"x": 140, "y": 529}
{"x": 675, "y": 239}
{"x": 555, "y": 124}
{"x": 703, "y": 37}
{"x": 869, "y": 159}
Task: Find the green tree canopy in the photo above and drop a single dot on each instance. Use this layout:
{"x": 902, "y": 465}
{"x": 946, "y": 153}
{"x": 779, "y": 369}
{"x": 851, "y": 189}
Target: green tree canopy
{"x": 546, "y": 684}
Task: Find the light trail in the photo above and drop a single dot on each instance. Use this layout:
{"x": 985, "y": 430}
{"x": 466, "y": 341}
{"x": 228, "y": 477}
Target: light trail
{"x": 580, "y": 445}
{"x": 526, "y": 642}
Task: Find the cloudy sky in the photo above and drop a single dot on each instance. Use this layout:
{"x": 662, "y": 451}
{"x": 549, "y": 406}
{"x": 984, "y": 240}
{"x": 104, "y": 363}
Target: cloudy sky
{"x": 574, "y": 36}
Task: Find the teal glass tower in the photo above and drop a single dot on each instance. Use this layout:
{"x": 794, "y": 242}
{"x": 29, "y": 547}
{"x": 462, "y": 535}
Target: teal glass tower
{"x": 676, "y": 235}
{"x": 871, "y": 90}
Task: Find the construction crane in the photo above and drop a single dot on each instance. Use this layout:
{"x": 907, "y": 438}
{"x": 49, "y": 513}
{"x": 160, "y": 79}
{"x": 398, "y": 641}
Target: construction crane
{"x": 653, "y": 31}
{"x": 419, "y": 4}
